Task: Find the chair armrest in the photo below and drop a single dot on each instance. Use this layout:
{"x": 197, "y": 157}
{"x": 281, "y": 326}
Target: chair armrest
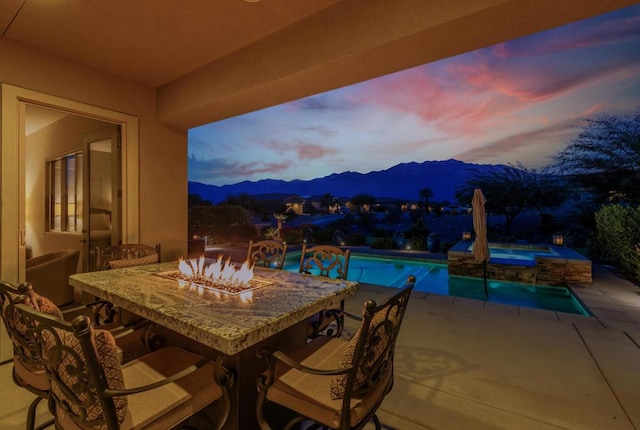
{"x": 268, "y": 353}
{"x": 338, "y": 315}
{"x": 341, "y": 312}
{"x": 284, "y": 358}
{"x": 223, "y": 377}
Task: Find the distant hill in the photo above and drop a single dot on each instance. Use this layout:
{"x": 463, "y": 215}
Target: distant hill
{"x": 403, "y": 181}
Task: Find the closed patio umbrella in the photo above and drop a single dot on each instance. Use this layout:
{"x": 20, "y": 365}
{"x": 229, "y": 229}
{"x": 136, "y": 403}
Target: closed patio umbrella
{"x": 480, "y": 248}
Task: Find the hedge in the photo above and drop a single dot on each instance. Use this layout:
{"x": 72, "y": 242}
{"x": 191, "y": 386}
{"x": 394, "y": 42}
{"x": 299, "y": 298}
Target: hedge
{"x": 618, "y": 238}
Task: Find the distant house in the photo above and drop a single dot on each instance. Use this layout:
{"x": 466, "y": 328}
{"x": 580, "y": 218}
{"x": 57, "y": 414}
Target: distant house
{"x": 316, "y": 202}
{"x": 407, "y": 205}
{"x": 295, "y": 204}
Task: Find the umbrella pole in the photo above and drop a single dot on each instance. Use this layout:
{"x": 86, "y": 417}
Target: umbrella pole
{"x": 484, "y": 272}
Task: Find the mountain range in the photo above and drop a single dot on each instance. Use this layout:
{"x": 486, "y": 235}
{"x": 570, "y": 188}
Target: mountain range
{"x": 403, "y": 181}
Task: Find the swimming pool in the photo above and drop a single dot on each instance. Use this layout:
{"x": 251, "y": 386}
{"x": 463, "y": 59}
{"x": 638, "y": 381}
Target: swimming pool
{"x": 434, "y": 278}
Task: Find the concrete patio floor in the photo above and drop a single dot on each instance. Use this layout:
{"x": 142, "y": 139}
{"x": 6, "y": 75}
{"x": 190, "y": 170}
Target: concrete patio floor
{"x": 469, "y": 364}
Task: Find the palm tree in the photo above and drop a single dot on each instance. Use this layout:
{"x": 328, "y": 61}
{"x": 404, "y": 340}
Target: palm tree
{"x": 426, "y": 194}
{"x": 280, "y": 218}
{"x": 326, "y": 201}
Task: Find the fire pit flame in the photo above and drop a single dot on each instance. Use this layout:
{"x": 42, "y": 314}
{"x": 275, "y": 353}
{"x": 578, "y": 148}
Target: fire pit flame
{"x": 218, "y": 277}
{"x": 219, "y": 272}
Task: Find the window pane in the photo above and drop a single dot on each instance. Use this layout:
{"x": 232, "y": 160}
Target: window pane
{"x": 71, "y": 193}
{"x": 57, "y": 194}
{"x": 79, "y": 191}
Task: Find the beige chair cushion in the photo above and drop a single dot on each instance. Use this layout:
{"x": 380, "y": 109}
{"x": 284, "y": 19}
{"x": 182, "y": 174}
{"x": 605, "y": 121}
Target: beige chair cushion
{"x": 339, "y": 382}
{"x": 130, "y": 262}
{"x": 166, "y": 406}
{"x": 310, "y": 394}
{"x": 35, "y": 377}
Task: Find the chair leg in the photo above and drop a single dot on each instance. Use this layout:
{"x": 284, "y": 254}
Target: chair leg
{"x": 31, "y": 416}
{"x": 152, "y": 340}
{"x": 376, "y": 422}
{"x": 46, "y": 424}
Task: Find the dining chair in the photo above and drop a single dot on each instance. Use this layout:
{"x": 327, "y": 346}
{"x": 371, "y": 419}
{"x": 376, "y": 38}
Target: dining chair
{"x": 127, "y": 255}
{"x": 324, "y": 260}
{"x": 28, "y": 369}
{"x": 267, "y": 253}
{"x": 117, "y": 257}
{"x": 335, "y": 383}
{"x": 89, "y": 388}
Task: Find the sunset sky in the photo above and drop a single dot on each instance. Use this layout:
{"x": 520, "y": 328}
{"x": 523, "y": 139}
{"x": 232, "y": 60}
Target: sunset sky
{"x": 519, "y": 101}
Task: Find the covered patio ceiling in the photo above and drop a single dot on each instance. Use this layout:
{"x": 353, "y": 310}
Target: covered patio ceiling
{"x": 213, "y": 59}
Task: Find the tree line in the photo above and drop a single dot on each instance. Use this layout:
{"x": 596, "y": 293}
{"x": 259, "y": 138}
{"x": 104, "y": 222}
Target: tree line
{"x": 604, "y": 159}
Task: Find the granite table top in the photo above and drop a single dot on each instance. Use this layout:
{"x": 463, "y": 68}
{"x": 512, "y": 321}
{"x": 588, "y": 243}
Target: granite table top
{"x": 227, "y": 323}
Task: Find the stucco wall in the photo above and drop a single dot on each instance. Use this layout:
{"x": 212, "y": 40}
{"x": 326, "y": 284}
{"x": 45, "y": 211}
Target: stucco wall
{"x": 163, "y": 151}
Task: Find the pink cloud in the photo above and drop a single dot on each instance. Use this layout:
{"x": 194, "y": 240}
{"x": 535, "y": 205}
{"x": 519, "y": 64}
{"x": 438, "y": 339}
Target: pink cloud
{"x": 249, "y": 169}
{"x": 308, "y": 151}
{"x": 595, "y": 109}
{"x": 560, "y": 132}
{"x": 304, "y": 150}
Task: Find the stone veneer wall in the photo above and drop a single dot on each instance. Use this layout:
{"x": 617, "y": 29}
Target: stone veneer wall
{"x": 546, "y": 271}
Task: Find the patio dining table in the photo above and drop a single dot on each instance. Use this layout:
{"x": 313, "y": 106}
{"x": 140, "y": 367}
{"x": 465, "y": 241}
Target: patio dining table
{"x": 235, "y": 325}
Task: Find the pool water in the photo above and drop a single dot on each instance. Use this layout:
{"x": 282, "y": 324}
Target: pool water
{"x": 434, "y": 278}
{"x": 523, "y": 255}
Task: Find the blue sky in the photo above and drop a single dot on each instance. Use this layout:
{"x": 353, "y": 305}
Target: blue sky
{"x": 519, "y": 101}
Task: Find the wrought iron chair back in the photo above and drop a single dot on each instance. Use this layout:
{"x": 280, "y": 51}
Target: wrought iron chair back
{"x": 363, "y": 378}
{"x": 325, "y": 260}
{"x": 130, "y": 254}
{"x": 88, "y": 386}
{"x": 28, "y": 368}
{"x": 267, "y": 253}
{"x": 373, "y": 355}
{"x": 329, "y": 261}
{"x": 119, "y": 256}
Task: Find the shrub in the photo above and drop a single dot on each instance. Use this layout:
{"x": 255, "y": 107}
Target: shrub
{"x": 392, "y": 216}
{"x": 322, "y": 237}
{"x": 220, "y": 223}
{"x": 618, "y": 238}
{"x": 418, "y": 243}
{"x": 381, "y": 232}
{"x": 416, "y": 231}
{"x": 291, "y": 235}
{"x": 382, "y": 243}
{"x": 356, "y": 239}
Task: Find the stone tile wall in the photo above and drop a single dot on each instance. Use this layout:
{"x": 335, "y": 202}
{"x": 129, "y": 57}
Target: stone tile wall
{"x": 546, "y": 271}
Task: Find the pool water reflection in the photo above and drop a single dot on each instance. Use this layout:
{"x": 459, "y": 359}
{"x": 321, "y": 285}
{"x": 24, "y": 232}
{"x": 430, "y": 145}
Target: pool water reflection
{"x": 434, "y": 278}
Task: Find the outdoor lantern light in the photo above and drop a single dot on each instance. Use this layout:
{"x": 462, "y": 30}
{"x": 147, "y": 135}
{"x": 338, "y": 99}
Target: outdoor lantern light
{"x": 558, "y": 239}
{"x": 466, "y": 235}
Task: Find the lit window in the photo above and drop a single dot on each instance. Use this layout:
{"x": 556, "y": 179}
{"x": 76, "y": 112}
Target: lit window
{"x": 64, "y": 193}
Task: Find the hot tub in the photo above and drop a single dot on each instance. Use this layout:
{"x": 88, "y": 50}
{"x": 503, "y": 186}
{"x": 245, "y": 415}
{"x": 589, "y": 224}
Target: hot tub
{"x": 530, "y": 263}
{"x": 518, "y": 254}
